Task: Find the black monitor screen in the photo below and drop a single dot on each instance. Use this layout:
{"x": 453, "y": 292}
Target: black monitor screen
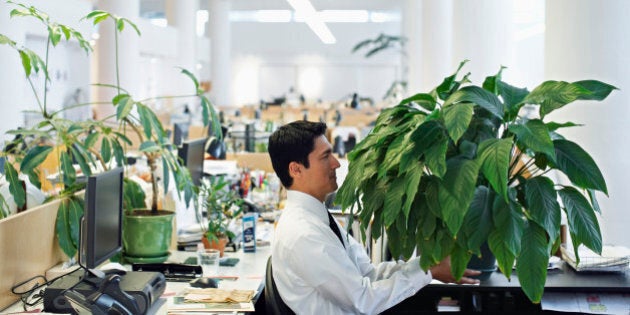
{"x": 192, "y": 154}
{"x": 101, "y": 228}
{"x": 180, "y": 133}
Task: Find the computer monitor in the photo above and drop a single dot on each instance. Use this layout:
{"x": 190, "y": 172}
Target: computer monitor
{"x": 192, "y": 154}
{"x": 101, "y": 225}
{"x": 180, "y": 133}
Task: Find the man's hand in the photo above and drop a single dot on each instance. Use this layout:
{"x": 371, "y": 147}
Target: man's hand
{"x": 442, "y": 272}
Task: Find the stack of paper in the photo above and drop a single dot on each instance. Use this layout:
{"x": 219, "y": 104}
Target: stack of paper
{"x": 613, "y": 258}
{"x": 198, "y": 301}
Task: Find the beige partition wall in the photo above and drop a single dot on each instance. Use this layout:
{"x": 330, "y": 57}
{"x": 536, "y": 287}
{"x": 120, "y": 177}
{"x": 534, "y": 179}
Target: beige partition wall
{"x": 28, "y": 247}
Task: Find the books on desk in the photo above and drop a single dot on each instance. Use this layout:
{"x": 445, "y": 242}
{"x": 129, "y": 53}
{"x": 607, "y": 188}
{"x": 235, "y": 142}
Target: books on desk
{"x": 612, "y": 259}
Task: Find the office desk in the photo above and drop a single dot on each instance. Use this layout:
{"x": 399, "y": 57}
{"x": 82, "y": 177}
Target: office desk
{"x": 250, "y": 271}
{"x": 500, "y": 295}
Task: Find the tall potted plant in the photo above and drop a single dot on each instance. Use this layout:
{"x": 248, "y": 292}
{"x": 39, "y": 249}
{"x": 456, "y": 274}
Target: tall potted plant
{"x": 64, "y": 139}
{"x": 446, "y": 171}
{"x": 147, "y": 232}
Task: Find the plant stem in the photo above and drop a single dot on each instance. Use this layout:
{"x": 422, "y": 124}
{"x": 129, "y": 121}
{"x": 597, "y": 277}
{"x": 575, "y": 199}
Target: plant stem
{"x": 46, "y": 76}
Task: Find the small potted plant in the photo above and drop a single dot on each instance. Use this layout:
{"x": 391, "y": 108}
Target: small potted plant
{"x": 223, "y": 205}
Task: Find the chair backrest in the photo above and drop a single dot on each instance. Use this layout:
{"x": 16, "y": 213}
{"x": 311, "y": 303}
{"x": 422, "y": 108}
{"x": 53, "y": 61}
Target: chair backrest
{"x": 274, "y": 303}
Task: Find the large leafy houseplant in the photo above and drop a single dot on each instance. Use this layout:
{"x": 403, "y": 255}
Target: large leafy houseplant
{"x": 446, "y": 171}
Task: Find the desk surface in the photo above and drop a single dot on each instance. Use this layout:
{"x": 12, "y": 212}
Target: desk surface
{"x": 250, "y": 271}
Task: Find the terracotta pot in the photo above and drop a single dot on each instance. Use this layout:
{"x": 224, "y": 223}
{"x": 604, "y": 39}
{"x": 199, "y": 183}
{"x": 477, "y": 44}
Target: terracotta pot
{"x": 215, "y": 245}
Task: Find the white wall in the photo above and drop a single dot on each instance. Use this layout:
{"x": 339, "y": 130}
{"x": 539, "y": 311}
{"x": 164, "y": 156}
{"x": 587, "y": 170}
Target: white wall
{"x": 63, "y": 60}
{"x": 270, "y": 58}
{"x": 587, "y": 40}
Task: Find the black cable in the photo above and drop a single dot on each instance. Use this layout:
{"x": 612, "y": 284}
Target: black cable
{"x": 36, "y": 297}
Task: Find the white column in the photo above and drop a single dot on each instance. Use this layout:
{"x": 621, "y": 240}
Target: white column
{"x": 128, "y": 54}
{"x": 428, "y": 26}
{"x": 482, "y": 33}
{"x": 219, "y": 33}
{"x": 588, "y": 42}
{"x": 437, "y": 50}
{"x": 412, "y": 59}
{"x": 182, "y": 14}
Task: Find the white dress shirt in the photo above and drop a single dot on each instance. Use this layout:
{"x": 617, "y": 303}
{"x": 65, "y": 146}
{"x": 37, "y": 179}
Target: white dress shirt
{"x": 315, "y": 274}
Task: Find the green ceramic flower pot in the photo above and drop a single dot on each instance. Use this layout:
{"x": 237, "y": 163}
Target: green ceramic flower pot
{"x": 147, "y": 237}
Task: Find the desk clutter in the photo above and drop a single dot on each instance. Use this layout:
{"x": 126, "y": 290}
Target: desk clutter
{"x": 612, "y": 259}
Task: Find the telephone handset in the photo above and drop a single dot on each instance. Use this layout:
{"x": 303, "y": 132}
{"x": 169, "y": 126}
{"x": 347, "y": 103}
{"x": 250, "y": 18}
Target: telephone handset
{"x": 109, "y": 299}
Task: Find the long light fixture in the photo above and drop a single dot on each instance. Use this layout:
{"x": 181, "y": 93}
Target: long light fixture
{"x": 304, "y": 10}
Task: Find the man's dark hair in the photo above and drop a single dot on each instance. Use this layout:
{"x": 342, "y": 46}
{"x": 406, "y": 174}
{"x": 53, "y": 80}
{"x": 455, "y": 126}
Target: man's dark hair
{"x": 293, "y": 142}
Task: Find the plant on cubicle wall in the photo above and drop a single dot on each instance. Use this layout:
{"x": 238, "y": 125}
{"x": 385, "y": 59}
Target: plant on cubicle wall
{"x": 54, "y": 137}
{"x": 79, "y": 142}
{"x": 448, "y": 171}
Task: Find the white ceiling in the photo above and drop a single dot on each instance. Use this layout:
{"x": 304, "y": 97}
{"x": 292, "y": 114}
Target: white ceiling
{"x": 375, "y": 5}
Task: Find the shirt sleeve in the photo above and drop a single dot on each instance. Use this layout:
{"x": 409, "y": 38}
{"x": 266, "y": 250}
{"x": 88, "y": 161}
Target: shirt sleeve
{"x": 348, "y": 279}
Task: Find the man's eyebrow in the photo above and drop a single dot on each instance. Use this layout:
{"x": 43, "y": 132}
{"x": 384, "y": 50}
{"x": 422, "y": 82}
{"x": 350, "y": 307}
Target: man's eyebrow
{"x": 327, "y": 151}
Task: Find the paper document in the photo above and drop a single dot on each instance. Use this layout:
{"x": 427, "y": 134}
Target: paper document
{"x": 598, "y": 303}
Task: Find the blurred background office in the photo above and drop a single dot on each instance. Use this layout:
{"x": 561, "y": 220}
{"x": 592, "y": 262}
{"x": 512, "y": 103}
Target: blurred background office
{"x": 250, "y": 52}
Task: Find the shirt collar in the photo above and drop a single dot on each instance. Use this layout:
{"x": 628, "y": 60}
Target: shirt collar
{"x": 308, "y": 203}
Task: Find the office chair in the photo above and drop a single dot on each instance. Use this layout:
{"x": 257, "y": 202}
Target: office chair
{"x": 274, "y": 303}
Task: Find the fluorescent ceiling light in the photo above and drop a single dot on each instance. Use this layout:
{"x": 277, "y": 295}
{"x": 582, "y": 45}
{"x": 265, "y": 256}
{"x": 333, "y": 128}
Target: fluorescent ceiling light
{"x": 344, "y": 16}
{"x": 273, "y": 16}
{"x": 304, "y": 10}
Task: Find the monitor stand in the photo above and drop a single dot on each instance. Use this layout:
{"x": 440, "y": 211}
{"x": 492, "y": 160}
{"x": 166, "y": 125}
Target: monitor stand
{"x": 144, "y": 287}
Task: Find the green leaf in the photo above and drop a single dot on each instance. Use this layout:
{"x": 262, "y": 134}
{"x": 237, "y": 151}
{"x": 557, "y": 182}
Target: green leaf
{"x": 533, "y": 261}
{"x": 33, "y": 177}
{"x": 449, "y": 84}
{"x": 494, "y": 158}
{"x": 166, "y": 173}
{"x": 479, "y": 218}
{"x": 393, "y": 201}
{"x": 26, "y": 62}
{"x": 119, "y": 153}
{"x": 192, "y": 77}
{"x": 542, "y": 204}
{"x": 15, "y": 185}
{"x": 583, "y": 223}
{"x": 505, "y": 239}
{"x": 491, "y": 82}
{"x": 423, "y": 137}
{"x": 76, "y": 206}
{"x": 552, "y": 95}
{"x": 124, "y": 105}
{"x": 459, "y": 260}
{"x": 35, "y": 157}
{"x": 145, "y": 120}
{"x": 579, "y": 166}
{"x": 425, "y": 101}
{"x": 62, "y": 228}
{"x": 149, "y": 146}
{"x": 599, "y": 90}
{"x": 533, "y": 135}
{"x": 435, "y": 157}
{"x": 553, "y": 126}
{"x": 106, "y": 150}
{"x": 412, "y": 179}
{"x": 512, "y": 98}
{"x": 133, "y": 195}
{"x": 69, "y": 174}
{"x": 132, "y": 25}
{"x": 79, "y": 152}
{"x": 479, "y": 96}
{"x": 593, "y": 198}
{"x": 457, "y": 190}
{"x": 457, "y": 118}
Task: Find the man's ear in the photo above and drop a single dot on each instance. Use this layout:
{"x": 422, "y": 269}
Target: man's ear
{"x": 295, "y": 169}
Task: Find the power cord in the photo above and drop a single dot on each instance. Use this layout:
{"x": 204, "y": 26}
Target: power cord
{"x": 31, "y": 290}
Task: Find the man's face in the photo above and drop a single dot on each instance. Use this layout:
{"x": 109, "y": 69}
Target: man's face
{"x": 319, "y": 179}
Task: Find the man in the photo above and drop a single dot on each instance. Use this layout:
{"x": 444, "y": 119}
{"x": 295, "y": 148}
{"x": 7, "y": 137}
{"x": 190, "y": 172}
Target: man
{"x": 315, "y": 270}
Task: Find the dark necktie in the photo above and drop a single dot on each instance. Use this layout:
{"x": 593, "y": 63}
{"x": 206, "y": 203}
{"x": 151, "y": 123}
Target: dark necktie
{"x": 335, "y": 228}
